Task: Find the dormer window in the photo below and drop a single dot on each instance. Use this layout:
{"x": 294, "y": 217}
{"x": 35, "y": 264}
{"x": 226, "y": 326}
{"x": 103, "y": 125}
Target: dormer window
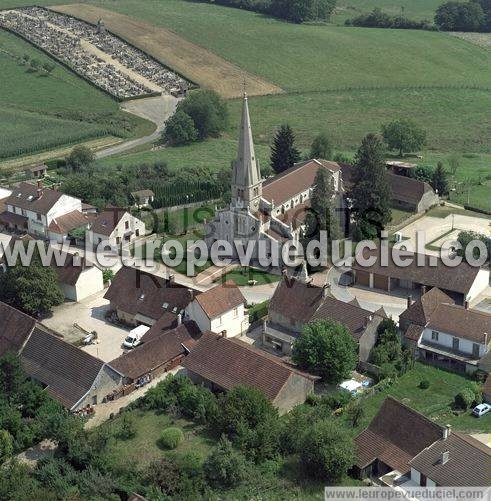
{"x": 142, "y": 297}
{"x": 165, "y": 306}
{"x": 30, "y": 198}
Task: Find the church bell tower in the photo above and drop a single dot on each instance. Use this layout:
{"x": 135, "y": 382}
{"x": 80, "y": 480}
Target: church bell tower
{"x": 246, "y": 175}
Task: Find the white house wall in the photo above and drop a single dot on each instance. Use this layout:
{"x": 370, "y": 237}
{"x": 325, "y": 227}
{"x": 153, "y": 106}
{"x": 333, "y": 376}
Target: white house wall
{"x": 480, "y": 283}
{"x": 446, "y": 340}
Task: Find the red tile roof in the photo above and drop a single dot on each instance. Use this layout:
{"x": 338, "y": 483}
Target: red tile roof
{"x": 137, "y": 292}
{"x": 469, "y": 324}
{"x": 468, "y": 464}
{"x": 68, "y": 222}
{"x": 162, "y": 348}
{"x": 67, "y": 371}
{"x": 106, "y": 222}
{"x": 396, "y": 434}
{"x": 295, "y": 180}
{"x": 228, "y": 362}
{"x": 15, "y": 328}
{"x": 420, "y": 311}
{"x": 220, "y": 299}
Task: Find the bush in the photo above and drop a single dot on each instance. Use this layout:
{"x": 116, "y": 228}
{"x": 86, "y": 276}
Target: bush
{"x": 379, "y": 19}
{"x": 127, "y": 427}
{"x": 225, "y": 467}
{"x": 464, "y": 399}
{"x": 171, "y": 437}
{"x": 424, "y": 384}
{"x": 179, "y": 130}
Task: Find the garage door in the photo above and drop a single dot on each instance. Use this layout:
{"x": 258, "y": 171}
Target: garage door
{"x": 381, "y": 282}
{"x": 363, "y": 278}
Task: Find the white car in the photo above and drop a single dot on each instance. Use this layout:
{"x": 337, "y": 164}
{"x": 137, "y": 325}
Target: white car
{"x": 481, "y": 409}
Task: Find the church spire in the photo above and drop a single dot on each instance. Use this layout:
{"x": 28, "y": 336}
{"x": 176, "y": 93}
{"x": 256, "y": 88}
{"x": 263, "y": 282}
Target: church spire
{"x": 246, "y": 179}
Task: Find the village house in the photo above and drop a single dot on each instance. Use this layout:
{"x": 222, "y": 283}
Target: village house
{"x": 42, "y": 212}
{"x": 220, "y": 309}
{"x": 295, "y": 303}
{"x": 401, "y": 448}
{"x": 140, "y": 298}
{"x": 143, "y": 198}
{"x": 222, "y": 363}
{"x": 162, "y": 350}
{"x": 405, "y": 192}
{"x": 462, "y": 282}
{"x": 38, "y": 171}
{"x": 395, "y": 435}
{"x": 69, "y": 375}
{"x": 115, "y": 227}
{"x": 77, "y": 278}
{"x": 445, "y": 334}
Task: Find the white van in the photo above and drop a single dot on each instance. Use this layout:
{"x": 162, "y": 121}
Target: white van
{"x": 134, "y": 337}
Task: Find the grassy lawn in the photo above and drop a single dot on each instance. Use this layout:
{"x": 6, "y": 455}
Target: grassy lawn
{"x": 145, "y": 446}
{"x": 241, "y": 276}
{"x": 399, "y": 215}
{"x": 40, "y": 112}
{"x": 434, "y": 402}
{"x": 445, "y": 211}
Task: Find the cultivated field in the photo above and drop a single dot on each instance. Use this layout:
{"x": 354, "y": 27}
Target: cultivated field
{"x": 40, "y": 111}
{"x": 195, "y": 63}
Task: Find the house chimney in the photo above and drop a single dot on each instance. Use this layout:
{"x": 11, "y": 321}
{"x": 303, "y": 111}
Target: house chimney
{"x": 447, "y": 431}
{"x": 284, "y": 272}
{"x": 423, "y": 290}
{"x": 325, "y": 290}
{"x": 409, "y": 301}
{"x": 466, "y": 305}
{"x": 223, "y": 333}
{"x": 179, "y": 319}
{"x": 444, "y": 457}
{"x": 172, "y": 278}
{"x": 40, "y": 183}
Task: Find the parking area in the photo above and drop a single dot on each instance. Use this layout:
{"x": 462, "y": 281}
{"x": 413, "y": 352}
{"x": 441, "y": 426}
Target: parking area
{"x": 74, "y": 320}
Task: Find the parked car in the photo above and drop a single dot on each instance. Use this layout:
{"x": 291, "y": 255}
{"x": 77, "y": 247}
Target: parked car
{"x": 481, "y": 409}
{"x": 134, "y": 337}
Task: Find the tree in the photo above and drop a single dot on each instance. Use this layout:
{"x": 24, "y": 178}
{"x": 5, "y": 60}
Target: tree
{"x": 283, "y": 152}
{"x": 439, "y": 181}
{"x": 458, "y": 16}
{"x": 224, "y": 467}
{"x": 370, "y": 194}
{"x": 48, "y": 67}
{"x": 453, "y": 163}
{"x": 244, "y": 408}
{"x": 326, "y": 348}
{"x": 321, "y": 147}
{"x": 33, "y": 289}
{"x": 355, "y": 412}
{"x": 80, "y": 157}
{"x": 207, "y": 111}
{"x": 423, "y": 173}
{"x": 323, "y": 215}
{"x": 6, "y": 446}
{"x": 12, "y": 377}
{"x": 328, "y": 451}
{"x": 403, "y": 135}
{"x": 179, "y": 129}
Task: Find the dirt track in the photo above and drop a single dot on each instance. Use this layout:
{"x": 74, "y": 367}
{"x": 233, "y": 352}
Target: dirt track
{"x": 192, "y": 61}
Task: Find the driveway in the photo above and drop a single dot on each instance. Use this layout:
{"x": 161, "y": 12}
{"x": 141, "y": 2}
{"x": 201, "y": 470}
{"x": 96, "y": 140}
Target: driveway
{"x": 75, "y": 320}
{"x": 156, "y": 109}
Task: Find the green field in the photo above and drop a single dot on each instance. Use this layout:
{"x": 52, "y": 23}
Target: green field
{"x": 40, "y": 111}
{"x": 413, "y": 9}
{"x": 346, "y": 81}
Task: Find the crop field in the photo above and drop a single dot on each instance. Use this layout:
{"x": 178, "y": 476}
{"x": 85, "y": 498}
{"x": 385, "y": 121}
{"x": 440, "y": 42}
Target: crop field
{"x": 194, "y": 62}
{"x": 41, "y": 111}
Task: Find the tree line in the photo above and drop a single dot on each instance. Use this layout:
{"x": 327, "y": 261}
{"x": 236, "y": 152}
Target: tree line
{"x": 294, "y": 11}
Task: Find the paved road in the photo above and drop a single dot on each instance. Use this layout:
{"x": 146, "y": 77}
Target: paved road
{"x": 156, "y": 109}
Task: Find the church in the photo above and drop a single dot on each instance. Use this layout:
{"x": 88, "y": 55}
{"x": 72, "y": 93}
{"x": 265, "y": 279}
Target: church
{"x": 271, "y": 211}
